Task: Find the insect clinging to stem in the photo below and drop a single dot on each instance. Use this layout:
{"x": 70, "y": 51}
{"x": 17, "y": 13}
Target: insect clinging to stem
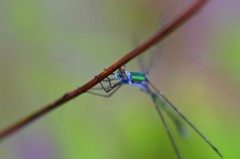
{"x": 161, "y": 102}
{"x": 122, "y": 76}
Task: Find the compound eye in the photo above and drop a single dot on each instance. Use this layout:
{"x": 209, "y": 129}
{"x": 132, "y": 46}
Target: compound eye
{"x": 122, "y": 67}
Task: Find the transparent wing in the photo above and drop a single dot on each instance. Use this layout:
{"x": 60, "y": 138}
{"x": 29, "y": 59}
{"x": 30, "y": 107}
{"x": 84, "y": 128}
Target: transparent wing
{"x": 186, "y": 120}
{"x": 181, "y": 127}
{"x": 158, "y": 49}
{"x": 158, "y": 105}
{"x": 140, "y": 58}
{"x": 156, "y": 52}
{"x": 146, "y": 63}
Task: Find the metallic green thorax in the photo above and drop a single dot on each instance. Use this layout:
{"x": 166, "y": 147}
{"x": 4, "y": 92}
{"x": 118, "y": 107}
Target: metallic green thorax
{"x": 138, "y": 76}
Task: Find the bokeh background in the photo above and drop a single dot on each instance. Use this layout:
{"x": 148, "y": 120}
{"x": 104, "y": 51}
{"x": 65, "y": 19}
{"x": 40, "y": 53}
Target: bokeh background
{"x": 50, "y": 47}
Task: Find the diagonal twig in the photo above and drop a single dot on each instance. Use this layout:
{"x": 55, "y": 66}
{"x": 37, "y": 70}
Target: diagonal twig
{"x": 159, "y": 36}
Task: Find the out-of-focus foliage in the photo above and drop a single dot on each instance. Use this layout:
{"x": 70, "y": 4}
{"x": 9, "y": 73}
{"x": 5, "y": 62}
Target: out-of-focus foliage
{"x": 49, "y": 47}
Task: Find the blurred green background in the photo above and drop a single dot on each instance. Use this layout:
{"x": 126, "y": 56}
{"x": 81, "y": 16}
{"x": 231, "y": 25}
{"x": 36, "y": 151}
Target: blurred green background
{"x": 50, "y": 47}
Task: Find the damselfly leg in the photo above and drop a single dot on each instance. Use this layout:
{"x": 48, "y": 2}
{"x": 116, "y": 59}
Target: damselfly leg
{"x": 110, "y": 88}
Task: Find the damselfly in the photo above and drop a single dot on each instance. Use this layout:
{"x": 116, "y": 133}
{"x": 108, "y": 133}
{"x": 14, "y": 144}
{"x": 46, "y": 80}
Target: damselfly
{"x": 161, "y": 102}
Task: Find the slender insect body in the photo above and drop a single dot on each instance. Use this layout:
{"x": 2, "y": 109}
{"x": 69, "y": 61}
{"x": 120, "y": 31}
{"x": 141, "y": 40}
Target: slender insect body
{"x": 140, "y": 80}
{"x": 136, "y": 79}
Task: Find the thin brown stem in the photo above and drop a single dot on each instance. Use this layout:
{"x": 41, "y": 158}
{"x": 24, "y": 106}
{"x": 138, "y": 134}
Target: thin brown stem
{"x": 165, "y": 31}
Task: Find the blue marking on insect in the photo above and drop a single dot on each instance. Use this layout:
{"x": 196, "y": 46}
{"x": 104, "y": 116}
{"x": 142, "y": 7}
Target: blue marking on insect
{"x": 140, "y": 80}
{"x": 136, "y": 79}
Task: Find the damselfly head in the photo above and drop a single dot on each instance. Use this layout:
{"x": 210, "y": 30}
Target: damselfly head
{"x": 122, "y": 75}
